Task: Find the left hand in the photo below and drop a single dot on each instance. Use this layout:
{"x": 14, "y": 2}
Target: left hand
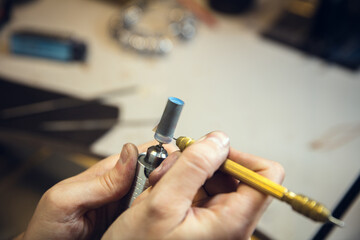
{"x": 83, "y": 206}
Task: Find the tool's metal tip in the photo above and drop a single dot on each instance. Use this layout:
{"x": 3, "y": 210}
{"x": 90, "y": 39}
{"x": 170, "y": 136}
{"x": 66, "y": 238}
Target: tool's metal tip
{"x": 336, "y": 221}
{"x": 175, "y": 138}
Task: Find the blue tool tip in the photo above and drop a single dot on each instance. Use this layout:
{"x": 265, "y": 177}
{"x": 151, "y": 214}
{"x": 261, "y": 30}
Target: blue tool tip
{"x": 176, "y": 100}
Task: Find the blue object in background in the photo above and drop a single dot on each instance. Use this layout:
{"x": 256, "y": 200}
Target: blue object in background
{"x": 50, "y": 46}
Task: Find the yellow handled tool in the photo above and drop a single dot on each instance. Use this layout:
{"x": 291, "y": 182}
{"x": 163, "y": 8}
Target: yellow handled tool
{"x": 300, "y": 203}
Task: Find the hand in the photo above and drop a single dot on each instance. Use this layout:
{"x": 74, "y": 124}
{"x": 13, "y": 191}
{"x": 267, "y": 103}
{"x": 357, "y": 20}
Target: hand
{"x": 83, "y": 207}
{"x": 167, "y": 210}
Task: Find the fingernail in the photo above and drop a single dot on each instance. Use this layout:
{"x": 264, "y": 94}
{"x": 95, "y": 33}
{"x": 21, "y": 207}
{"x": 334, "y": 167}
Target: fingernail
{"x": 160, "y": 167}
{"x": 220, "y": 138}
{"x": 202, "y": 138}
{"x": 124, "y": 155}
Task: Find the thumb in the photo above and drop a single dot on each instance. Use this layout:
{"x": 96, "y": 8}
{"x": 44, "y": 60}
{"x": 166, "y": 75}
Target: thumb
{"x": 163, "y": 168}
{"x": 178, "y": 187}
{"x": 110, "y": 186}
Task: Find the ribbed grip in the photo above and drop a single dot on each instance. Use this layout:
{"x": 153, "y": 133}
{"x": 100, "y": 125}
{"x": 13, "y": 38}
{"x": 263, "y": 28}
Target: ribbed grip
{"x": 307, "y": 207}
{"x": 140, "y": 183}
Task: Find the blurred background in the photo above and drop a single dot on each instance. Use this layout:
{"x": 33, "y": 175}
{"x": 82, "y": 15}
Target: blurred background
{"x": 79, "y": 78}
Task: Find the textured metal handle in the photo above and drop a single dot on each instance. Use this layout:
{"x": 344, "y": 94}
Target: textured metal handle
{"x": 140, "y": 183}
{"x": 307, "y": 207}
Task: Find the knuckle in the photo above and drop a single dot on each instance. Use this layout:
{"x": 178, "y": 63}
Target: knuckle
{"x": 156, "y": 208}
{"x": 107, "y": 183}
{"x": 219, "y": 134}
{"x": 207, "y": 155}
{"x": 199, "y": 161}
{"x": 53, "y": 197}
{"x": 50, "y": 195}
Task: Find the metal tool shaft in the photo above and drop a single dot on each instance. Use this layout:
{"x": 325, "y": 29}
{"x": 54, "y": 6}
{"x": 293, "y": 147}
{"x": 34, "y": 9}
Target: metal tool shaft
{"x": 146, "y": 163}
{"x": 299, "y": 203}
{"x": 154, "y": 155}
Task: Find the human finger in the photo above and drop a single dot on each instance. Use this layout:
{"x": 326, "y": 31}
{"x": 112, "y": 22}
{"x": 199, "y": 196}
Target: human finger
{"x": 157, "y": 174}
{"x": 141, "y": 197}
{"x": 267, "y": 168}
{"x": 264, "y": 167}
{"x": 163, "y": 168}
{"x": 248, "y": 203}
{"x": 220, "y": 183}
{"x": 97, "y": 169}
{"x": 105, "y": 188}
{"x": 195, "y": 165}
{"x": 108, "y": 163}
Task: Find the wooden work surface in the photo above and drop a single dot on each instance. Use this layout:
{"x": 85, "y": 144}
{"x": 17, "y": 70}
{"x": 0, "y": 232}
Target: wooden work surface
{"x": 272, "y": 101}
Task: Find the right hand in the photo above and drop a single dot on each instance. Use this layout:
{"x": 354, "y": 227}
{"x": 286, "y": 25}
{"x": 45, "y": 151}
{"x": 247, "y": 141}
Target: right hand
{"x": 231, "y": 210}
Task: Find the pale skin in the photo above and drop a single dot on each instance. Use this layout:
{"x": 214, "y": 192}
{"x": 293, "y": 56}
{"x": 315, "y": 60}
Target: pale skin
{"x": 88, "y": 206}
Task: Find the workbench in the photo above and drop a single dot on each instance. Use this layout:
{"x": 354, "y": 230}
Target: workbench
{"x": 273, "y": 101}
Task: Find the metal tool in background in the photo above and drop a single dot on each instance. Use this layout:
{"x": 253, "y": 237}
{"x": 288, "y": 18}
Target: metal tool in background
{"x": 300, "y": 203}
{"x": 125, "y": 29}
{"x": 56, "y": 104}
{"x": 154, "y": 155}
